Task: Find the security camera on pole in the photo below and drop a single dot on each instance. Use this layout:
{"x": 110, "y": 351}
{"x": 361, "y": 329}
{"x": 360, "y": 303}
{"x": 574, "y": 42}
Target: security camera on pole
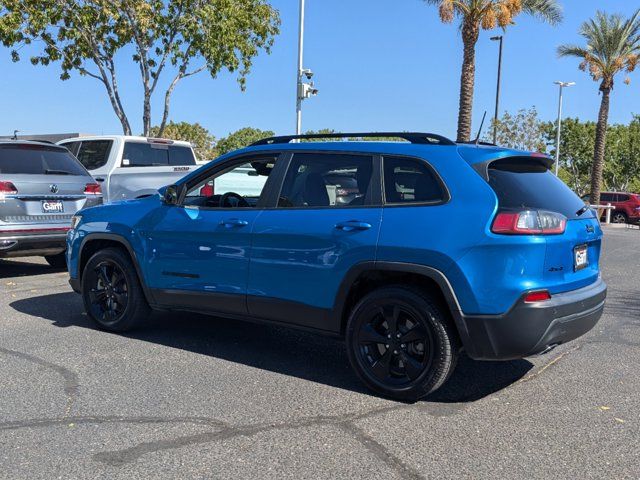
{"x": 303, "y": 90}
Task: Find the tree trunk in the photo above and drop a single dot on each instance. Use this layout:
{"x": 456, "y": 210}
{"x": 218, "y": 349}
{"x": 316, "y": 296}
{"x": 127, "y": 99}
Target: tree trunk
{"x": 146, "y": 114}
{"x": 470, "y": 32}
{"x": 601, "y": 141}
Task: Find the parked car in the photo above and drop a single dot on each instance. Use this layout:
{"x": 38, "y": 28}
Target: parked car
{"x": 132, "y": 167}
{"x": 445, "y": 247}
{"x": 627, "y": 206}
{"x": 41, "y": 187}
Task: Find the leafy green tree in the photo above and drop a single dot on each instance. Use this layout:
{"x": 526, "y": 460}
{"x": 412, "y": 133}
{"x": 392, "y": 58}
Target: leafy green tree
{"x": 241, "y": 138}
{"x": 576, "y": 151}
{"x": 522, "y": 131}
{"x": 612, "y": 46}
{"x": 477, "y": 15}
{"x": 203, "y": 142}
{"x": 183, "y": 37}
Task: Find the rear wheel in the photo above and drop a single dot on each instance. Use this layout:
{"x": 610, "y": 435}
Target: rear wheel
{"x": 111, "y": 291}
{"x": 400, "y": 343}
{"x": 618, "y": 217}
{"x": 57, "y": 261}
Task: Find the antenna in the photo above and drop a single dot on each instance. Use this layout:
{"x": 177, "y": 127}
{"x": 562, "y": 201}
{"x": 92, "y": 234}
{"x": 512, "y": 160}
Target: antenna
{"x": 477, "y": 141}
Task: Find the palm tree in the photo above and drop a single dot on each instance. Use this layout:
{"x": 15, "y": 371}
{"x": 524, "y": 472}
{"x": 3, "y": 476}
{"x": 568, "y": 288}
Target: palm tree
{"x": 613, "y": 46}
{"x": 485, "y": 14}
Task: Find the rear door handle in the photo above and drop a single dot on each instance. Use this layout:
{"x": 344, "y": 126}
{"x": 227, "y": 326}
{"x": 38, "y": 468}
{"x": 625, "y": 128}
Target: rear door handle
{"x": 234, "y": 222}
{"x": 352, "y": 225}
{"x": 100, "y": 179}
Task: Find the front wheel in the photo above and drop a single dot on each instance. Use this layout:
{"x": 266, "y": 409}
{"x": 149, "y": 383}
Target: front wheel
{"x": 400, "y": 343}
{"x": 111, "y": 291}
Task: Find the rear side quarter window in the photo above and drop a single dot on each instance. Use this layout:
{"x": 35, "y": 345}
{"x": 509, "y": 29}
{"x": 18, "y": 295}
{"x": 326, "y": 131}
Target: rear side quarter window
{"x": 411, "y": 181}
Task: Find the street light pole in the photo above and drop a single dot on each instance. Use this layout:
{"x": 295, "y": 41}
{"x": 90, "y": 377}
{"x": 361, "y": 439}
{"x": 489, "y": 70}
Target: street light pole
{"x": 299, "y": 97}
{"x": 559, "y": 124}
{"x": 495, "y": 117}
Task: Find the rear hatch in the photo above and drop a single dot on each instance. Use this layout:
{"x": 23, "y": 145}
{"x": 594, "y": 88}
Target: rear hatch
{"x": 42, "y": 184}
{"x": 570, "y": 229}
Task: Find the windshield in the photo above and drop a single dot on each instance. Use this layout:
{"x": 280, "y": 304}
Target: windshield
{"x": 38, "y": 160}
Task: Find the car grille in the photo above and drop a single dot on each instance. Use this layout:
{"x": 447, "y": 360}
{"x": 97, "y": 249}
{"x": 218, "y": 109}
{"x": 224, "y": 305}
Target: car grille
{"x": 37, "y": 218}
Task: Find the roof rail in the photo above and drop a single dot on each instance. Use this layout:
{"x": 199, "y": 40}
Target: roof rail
{"x": 412, "y": 137}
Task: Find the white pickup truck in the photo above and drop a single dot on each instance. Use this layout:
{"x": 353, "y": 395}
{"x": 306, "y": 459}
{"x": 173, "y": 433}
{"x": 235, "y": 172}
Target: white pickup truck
{"x": 132, "y": 167}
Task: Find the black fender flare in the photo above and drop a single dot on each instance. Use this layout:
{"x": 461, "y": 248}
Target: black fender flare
{"x": 123, "y": 242}
{"x": 432, "y": 273}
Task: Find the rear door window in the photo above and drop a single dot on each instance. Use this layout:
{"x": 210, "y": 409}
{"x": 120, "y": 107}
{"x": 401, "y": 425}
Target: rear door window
{"x": 139, "y": 154}
{"x": 38, "y": 160}
{"x": 94, "y": 154}
{"x": 327, "y": 180}
{"x": 521, "y": 184}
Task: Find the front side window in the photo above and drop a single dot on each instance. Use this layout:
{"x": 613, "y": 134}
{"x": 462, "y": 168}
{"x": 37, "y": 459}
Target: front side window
{"x": 94, "y": 154}
{"x": 408, "y": 180}
{"x": 239, "y": 186}
{"x": 327, "y": 180}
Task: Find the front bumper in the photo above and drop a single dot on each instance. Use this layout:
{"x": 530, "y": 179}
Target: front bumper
{"x": 532, "y": 328}
{"x": 50, "y": 242}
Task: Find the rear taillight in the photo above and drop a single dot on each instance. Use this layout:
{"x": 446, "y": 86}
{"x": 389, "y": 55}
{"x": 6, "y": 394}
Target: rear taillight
{"x": 529, "y": 222}
{"x": 92, "y": 189}
{"x": 539, "y": 296}
{"x": 8, "y": 188}
{"x": 207, "y": 190}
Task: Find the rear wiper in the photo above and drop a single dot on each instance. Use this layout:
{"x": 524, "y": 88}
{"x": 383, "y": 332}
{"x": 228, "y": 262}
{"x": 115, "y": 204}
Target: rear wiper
{"x": 582, "y": 210}
{"x": 57, "y": 172}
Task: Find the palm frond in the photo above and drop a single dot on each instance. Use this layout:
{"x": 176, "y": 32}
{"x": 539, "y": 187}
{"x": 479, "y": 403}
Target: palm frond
{"x": 573, "y": 51}
{"x": 549, "y": 11}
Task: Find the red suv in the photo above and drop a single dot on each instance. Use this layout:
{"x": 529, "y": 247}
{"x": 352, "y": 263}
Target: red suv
{"x": 627, "y": 206}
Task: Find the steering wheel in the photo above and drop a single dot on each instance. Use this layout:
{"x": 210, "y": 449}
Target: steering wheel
{"x": 233, "y": 200}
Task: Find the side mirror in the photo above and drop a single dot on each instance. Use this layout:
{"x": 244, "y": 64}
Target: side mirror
{"x": 170, "y": 194}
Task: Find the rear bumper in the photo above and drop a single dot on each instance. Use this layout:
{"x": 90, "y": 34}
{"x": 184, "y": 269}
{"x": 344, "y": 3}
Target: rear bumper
{"x": 48, "y": 242}
{"x": 532, "y": 328}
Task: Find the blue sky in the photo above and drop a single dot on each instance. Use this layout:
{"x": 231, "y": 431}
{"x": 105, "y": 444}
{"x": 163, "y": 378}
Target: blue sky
{"x": 379, "y": 64}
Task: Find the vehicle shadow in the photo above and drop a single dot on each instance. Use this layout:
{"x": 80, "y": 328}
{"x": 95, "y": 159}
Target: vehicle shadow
{"x": 282, "y": 350}
{"x": 10, "y": 267}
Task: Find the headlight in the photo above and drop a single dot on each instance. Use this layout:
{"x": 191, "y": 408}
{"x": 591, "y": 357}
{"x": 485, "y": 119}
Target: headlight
{"x": 75, "y": 220}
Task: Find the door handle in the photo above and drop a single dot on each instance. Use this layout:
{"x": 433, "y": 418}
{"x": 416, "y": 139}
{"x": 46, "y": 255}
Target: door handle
{"x": 234, "y": 222}
{"x": 353, "y": 225}
{"x": 100, "y": 179}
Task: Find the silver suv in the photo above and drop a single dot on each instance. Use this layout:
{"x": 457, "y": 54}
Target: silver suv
{"x": 41, "y": 187}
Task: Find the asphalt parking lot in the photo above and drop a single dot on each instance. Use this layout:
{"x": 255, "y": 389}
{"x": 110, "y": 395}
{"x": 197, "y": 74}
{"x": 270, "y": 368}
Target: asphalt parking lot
{"x": 198, "y": 397}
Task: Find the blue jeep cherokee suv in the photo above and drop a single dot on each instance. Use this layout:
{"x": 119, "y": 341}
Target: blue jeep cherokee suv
{"x": 442, "y": 247}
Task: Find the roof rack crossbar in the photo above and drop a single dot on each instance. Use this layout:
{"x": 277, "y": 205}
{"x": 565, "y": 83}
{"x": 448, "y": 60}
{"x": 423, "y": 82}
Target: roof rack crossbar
{"x": 412, "y": 137}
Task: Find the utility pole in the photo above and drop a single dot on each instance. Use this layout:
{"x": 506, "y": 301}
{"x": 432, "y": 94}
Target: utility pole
{"x": 559, "y": 128}
{"x": 303, "y": 90}
{"x": 495, "y": 117}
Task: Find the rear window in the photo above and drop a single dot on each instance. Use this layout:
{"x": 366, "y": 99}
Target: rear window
{"x": 522, "y": 184}
{"x": 137, "y": 154}
{"x": 38, "y": 160}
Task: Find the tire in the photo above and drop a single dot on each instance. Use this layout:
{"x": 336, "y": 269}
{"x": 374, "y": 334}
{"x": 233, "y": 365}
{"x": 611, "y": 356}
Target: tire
{"x": 618, "y": 217}
{"x": 423, "y": 353}
{"x": 57, "y": 261}
{"x": 111, "y": 291}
